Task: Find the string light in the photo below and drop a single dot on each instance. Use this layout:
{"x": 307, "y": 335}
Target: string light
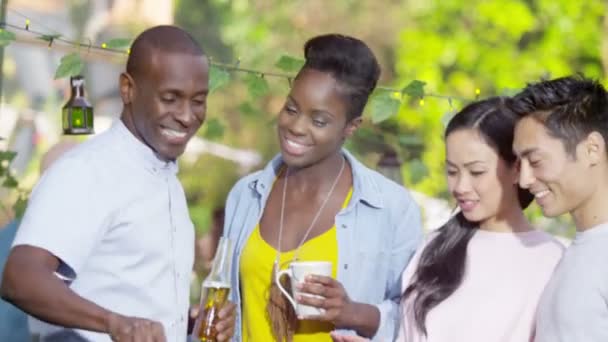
{"x": 227, "y": 67}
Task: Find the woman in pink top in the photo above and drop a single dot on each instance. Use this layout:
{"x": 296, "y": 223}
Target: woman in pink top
{"x": 478, "y": 278}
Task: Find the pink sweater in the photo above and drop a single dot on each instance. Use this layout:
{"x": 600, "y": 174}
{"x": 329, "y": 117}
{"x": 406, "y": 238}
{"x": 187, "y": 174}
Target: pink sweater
{"x": 496, "y": 302}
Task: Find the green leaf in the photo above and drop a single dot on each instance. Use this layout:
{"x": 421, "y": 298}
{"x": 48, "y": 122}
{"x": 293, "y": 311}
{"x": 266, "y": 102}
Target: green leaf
{"x": 71, "y": 65}
{"x": 217, "y": 78}
{"x": 289, "y": 63}
{"x": 6, "y": 37}
{"x": 257, "y": 86}
{"x": 7, "y": 155}
{"x": 215, "y": 129}
{"x": 417, "y": 171}
{"x": 118, "y": 43}
{"x": 19, "y": 206}
{"x": 49, "y": 37}
{"x": 410, "y": 140}
{"x": 10, "y": 182}
{"x": 383, "y": 106}
{"x": 246, "y": 108}
{"x": 414, "y": 89}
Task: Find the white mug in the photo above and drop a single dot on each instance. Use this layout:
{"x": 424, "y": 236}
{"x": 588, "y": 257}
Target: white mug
{"x": 297, "y": 272}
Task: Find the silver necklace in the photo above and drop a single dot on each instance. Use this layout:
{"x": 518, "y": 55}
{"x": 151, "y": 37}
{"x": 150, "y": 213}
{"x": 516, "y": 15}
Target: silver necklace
{"x": 314, "y": 220}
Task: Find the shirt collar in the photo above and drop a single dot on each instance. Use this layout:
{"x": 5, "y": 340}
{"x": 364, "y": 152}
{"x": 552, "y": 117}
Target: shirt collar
{"x": 365, "y": 187}
{"x": 591, "y": 233}
{"x": 142, "y": 152}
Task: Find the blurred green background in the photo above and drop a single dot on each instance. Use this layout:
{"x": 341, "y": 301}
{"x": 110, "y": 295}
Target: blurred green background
{"x": 462, "y": 50}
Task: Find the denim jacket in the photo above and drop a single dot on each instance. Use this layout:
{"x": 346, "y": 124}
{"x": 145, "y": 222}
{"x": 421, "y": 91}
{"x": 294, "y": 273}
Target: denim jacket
{"x": 378, "y": 232}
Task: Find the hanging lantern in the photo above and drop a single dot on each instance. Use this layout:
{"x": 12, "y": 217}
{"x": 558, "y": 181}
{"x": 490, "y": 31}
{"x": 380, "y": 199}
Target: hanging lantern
{"x": 77, "y": 115}
{"x": 389, "y": 166}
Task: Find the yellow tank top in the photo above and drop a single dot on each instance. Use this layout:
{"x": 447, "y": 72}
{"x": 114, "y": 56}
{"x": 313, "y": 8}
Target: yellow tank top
{"x": 255, "y": 272}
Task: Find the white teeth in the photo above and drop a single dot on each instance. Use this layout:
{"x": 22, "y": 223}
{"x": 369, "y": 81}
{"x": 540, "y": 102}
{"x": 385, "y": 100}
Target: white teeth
{"x": 294, "y": 144}
{"x": 173, "y": 133}
{"x": 541, "y": 194}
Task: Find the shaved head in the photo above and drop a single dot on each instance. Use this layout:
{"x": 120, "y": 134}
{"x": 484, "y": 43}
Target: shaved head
{"x": 164, "y": 90}
{"x": 165, "y": 39}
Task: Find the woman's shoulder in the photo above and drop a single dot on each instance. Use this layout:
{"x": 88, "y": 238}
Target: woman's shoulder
{"x": 548, "y": 240}
{"x": 375, "y": 184}
{"x": 552, "y": 244}
{"x": 244, "y": 183}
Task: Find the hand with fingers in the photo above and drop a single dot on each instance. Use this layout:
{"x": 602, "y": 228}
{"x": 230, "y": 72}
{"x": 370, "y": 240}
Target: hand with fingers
{"x": 226, "y": 320}
{"x": 330, "y": 296}
{"x": 347, "y": 338}
{"x": 134, "y": 329}
{"x": 225, "y": 324}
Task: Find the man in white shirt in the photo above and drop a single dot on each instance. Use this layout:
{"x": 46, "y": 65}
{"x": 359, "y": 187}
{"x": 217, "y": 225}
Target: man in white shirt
{"x": 112, "y": 215}
{"x": 561, "y": 142}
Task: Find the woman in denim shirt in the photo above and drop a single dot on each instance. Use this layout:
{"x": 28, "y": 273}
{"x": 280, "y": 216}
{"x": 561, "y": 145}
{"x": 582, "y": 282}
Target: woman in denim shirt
{"x": 315, "y": 201}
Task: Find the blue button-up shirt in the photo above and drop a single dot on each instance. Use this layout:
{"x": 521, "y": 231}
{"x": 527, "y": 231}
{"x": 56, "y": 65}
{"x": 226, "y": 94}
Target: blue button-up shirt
{"x": 378, "y": 232}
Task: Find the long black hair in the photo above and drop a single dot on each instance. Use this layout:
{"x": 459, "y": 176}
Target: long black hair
{"x": 442, "y": 263}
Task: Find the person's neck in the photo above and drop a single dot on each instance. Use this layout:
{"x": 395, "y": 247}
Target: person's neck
{"x": 512, "y": 220}
{"x": 592, "y": 211}
{"x": 127, "y": 120}
{"x": 317, "y": 176}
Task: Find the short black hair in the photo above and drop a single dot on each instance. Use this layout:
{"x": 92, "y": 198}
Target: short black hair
{"x": 350, "y": 61}
{"x": 569, "y": 107}
{"x": 163, "y": 38}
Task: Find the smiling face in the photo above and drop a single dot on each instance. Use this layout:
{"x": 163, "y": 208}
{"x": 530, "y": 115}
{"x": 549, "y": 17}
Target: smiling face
{"x": 313, "y": 122}
{"x": 166, "y": 104}
{"x": 480, "y": 181}
{"x": 560, "y": 182}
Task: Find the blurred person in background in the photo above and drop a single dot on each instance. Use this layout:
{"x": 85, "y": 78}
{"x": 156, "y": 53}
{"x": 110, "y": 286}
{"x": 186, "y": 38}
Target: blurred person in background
{"x": 14, "y": 324}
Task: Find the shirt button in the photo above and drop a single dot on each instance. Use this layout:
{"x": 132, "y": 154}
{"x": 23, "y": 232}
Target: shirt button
{"x": 343, "y": 225}
{"x": 262, "y": 186}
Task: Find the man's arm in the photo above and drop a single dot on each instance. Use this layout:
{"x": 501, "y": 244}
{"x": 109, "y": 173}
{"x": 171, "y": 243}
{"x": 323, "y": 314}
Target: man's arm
{"x": 28, "y": 282}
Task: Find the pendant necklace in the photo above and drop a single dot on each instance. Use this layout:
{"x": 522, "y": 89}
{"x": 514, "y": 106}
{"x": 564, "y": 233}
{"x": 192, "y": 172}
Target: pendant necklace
{"x": 314, "y": 220}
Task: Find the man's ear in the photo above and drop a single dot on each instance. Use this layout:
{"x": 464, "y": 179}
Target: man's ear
{"x": 594, "y": 148}
{"x": 127, "y": 88}
{"x": 352, "y": 126}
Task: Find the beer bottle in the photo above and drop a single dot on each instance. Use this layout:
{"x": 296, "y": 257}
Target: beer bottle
{"x": 215, "y": 291}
